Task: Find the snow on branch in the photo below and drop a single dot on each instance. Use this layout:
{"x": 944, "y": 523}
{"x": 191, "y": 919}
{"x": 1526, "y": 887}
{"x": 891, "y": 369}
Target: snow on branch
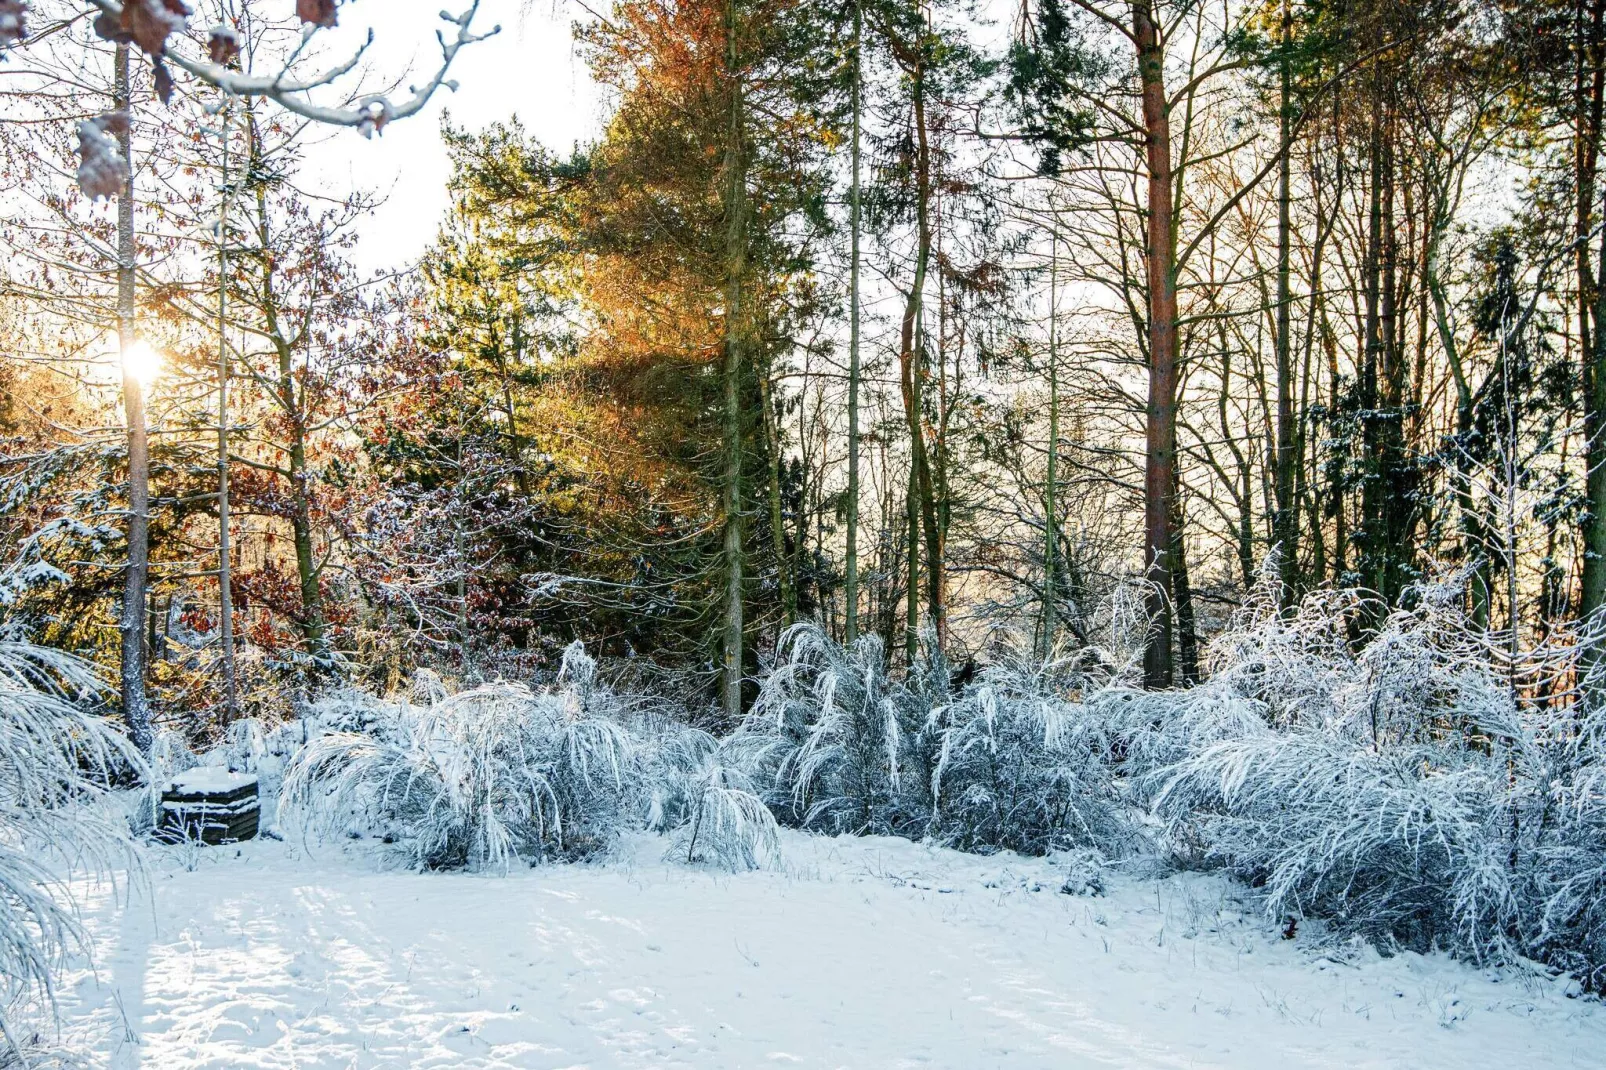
{"x": 150, "y": 23}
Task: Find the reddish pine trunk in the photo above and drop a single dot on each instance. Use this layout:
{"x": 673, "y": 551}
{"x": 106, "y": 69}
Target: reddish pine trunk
{"x": 1160, "y": 461}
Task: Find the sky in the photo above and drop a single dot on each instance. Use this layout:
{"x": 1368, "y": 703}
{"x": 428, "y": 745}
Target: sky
{"x": 531, "y": 69}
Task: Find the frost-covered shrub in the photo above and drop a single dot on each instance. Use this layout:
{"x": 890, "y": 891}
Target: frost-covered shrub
{"x": 1270, "y": 669}
{"x": 1026, "y": 763}
{"x": 1569, "y": 860}
{"x": 350, "y": 710}
{"x": 1392, "y": 842}
{"x": 478, "y": 778}
{"x": 1412, "y": 791}
{"x": 834, "y": 744}
{"x": 1017, "y": 760}
{"x": 57, "y": 764}
{"x": 711, "y": 808}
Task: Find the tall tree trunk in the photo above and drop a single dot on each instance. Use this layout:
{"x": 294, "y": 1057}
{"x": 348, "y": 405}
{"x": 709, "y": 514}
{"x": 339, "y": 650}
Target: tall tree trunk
{"x": 1594, "y": 577}
{"x": 1370, "y": 536}
{"x": 136, "y": 580}
{"x": 911, "y": 615}
{"x": 1286, "y": 525}
{"x": 1589, "y": 91}
{"x": 1335, "y": 466}
{"x": 292, "y": 404}
{"x": 851, "y": 572}
{"x": 460, "y": 549}
{"x": 1051, "y": 531}
{"x": 734, "y": 195}
{"x": 889, "y": 565}
{"x": 784, "y": 577}
{"x": 1187, "y": 629}
{"x": 225, "y": 564}
{"x": 1470, "y": 522}
{"x": 314, "y": 629}
{"x": 1393, "y": 485}
{"x": 910, "y": 361}
{"x": 1160, "y": 458}
{"x": 1307, "y": 450}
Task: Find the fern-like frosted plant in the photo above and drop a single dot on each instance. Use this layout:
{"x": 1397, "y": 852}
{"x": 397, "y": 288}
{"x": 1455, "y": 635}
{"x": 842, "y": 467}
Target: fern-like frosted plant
{"x": 58, "y": 761}
{"x": 1020, "y": 759}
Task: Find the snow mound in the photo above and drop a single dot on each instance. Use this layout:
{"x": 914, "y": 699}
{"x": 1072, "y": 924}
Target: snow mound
{"x": 209, "y": 780}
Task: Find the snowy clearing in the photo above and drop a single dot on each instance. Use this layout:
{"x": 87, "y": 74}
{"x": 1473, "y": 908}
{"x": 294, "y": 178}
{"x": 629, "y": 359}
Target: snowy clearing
{"x": 863, "y": 953}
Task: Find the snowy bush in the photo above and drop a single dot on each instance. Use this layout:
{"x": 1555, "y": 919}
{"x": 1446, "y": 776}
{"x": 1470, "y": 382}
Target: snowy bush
{"x": 1412, "y": 791}
{"x": 1403, "y": 774}
{"x": 1023, "y": 765}
{"x": 710, "y": 807}
{"x": 1011, "y": 761}
{"x": 1568, "y": 860}
{"x": 478, "y": 778}
{"x": 57, "y": 764}
{"x": 835, "y": 744}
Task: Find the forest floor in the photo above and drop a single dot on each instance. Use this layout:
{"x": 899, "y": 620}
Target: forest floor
{"x": 861, "y": 953}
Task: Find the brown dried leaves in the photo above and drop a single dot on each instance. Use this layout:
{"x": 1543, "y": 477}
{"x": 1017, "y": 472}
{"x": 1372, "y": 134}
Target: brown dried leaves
{"x": 319, "y": 13}
{"x": 146, "y": 23}
{"x": 13, "y": 22}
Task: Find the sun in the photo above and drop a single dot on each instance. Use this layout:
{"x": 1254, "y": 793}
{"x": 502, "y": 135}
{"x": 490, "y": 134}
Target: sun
{"x": 143, "y": 363}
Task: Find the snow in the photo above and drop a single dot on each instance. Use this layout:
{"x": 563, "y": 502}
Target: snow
{"x": 869, "y": 952}
{"x": 210, "y": 780}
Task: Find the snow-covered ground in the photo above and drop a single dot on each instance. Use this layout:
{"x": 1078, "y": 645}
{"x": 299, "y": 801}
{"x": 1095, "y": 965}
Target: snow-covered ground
{"x": 863, "y": 953}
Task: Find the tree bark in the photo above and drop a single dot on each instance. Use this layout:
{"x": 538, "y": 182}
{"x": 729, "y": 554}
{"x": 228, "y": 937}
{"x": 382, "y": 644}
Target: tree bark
{"x": 1393, "y": 484}
{"x": 911, "y": 616}
{"x": 910, "y": 360}
{"x": 313, "y": 626}
{"x": 1589, "y": 91}
{"x": 1160, "y": 453}
{"x": 784, "y": 577}
{"x": 1051, "y": 532}
{"x": 734, "y": 195}
{"x": 1470, "y": 522}
{"x": 1594, "y": 578}
{"x": 1187, "y": 629}
{"x": 224, "y": 563}
{"x": 1286, "y": 522}
{"x": 851, "y": 572}
{"x": 1370, "y": 537}
{"x": 136, "y": 580}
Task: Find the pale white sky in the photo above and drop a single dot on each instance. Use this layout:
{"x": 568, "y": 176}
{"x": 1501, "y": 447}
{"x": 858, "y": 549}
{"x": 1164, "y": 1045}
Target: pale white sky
{"x": 530, "y": 69}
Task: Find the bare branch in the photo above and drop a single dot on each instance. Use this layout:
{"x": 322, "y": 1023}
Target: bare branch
{"x": 368, "y": 115}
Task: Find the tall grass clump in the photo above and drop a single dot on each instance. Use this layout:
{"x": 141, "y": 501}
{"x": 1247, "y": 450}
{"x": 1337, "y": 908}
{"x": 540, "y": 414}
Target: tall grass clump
{"x": 58, "y": 762}
{"x": 480, "y": 778}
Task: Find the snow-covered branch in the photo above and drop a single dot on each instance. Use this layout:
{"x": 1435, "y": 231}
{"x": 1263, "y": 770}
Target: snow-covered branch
{"x": 150, "y": 24}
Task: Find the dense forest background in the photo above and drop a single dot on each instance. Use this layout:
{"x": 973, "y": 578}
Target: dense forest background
{"x": 1062, "y": 323}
